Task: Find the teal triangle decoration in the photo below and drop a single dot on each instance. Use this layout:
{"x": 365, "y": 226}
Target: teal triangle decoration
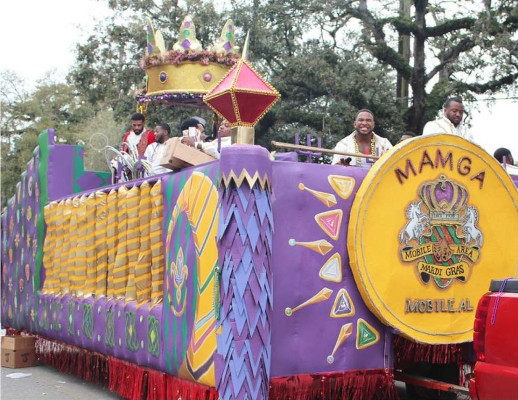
{"x": 367, "y": 335}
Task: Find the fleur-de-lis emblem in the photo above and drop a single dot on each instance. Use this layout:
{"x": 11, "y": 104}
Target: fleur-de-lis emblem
{"x": 180, "y": 273}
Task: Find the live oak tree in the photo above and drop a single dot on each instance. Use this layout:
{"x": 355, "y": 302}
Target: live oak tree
{"x": 321, "y": 86}
{"x": 327, "y": 58}
{"x": 458, "y": 48}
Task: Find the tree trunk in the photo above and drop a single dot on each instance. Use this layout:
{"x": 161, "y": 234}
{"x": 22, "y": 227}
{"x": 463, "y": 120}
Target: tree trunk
{"x": 418, "y": 83}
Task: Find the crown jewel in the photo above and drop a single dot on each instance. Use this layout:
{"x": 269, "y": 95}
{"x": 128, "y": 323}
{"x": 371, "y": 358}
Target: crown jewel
{"x": 446, "y": 199}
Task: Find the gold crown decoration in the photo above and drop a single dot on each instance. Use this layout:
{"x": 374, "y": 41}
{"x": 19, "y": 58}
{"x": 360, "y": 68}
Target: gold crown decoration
{"x": 184, "y": 74}
{"x": 445, "y": 199}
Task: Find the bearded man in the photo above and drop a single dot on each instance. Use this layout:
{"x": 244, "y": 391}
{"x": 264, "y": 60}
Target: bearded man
{"x": 362, "y": 141}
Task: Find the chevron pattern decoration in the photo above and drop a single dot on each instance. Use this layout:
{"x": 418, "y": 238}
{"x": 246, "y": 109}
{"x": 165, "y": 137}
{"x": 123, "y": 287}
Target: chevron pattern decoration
{"x": 246, "y": 289}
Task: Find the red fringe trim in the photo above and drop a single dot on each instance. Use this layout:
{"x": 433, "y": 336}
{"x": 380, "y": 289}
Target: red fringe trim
{"x": 369, "y": 384}
{"x": 133, "y": 382}
{"x": 408, "y": 351}
{"x": 128, "y": 380}
{"x": 88, "y": 365}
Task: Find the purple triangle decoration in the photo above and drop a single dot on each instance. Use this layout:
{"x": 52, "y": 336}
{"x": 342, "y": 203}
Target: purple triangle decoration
{"x": 253, "y": 231}
{"x": 244, "y": 195}
{"x": 246, "y": 259}
{"x": 242, "y": 281}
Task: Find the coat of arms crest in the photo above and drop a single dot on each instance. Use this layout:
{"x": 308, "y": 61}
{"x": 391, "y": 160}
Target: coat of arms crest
{"x": 441, "y": 235}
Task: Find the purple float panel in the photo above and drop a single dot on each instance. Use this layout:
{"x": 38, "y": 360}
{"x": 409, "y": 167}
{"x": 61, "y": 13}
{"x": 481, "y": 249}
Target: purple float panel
{"x": 66, "y": 173}
{"x": 156, "y": 345}
{"x": 99, "y": 331}
{"x": 75, "y": 304}
{"x": 60, "y": 159}
{"x": 120, "y": 329}
{"x": 109, "y": 328}
{"x": 309, "y": 339}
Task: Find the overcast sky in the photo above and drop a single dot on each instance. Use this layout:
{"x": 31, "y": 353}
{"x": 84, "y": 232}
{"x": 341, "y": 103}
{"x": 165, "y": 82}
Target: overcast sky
{"x": 39, "y": 36}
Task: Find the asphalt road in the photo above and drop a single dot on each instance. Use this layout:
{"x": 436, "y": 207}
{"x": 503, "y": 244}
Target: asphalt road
{"x": 44, "y": 382}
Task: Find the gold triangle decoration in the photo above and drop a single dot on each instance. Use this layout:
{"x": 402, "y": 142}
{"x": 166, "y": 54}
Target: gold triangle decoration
{"x": 345, "y": 332}
{"x": 328, "y": 199}
{"x": 342, "y": 185}
{"x": 323, "y": 295}
{"x": 343, "y": 305}
{"x": 332, "y": 270}
{"x": 330, "y": 222}
{"x": 321, "y": 246}
{"x": 366, "y": 335}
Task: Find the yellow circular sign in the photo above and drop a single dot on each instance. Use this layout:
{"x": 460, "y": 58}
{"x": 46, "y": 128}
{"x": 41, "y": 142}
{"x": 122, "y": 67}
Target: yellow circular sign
{"x": 434, "y": 220}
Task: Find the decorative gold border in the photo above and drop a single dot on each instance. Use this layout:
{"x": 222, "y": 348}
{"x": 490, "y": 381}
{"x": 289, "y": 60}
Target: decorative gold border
{"x": 264, "y": 182}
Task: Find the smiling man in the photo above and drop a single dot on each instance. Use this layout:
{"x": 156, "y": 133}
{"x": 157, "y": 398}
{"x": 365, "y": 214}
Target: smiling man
{"x": 362, "y": 140}
{"x": 451, "y": 122}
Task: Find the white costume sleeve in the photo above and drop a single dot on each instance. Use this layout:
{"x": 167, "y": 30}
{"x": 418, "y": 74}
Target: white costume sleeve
{"x": 149, "y": 152}
{"x": 337, "y": 157}
{"x": 431, "y": 128}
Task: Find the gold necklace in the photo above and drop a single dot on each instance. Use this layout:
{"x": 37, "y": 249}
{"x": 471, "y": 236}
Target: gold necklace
{"x": 357, "y": 149}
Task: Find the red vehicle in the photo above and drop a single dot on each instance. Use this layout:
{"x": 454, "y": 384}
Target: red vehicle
{"x": 495, "y": 342}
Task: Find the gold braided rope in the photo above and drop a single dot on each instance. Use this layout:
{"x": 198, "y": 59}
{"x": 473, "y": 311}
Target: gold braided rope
{"x": 357, "y": 150}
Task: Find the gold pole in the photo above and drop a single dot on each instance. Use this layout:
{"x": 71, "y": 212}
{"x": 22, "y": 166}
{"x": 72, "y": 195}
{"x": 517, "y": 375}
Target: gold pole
{"x": 319, "y": 150}
{"x": 243, "y": 135}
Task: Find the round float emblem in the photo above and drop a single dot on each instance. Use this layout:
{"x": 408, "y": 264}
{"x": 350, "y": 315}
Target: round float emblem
{"x": 433, "y": 222}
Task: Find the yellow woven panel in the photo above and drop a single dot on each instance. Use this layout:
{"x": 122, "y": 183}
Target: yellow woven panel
{"x": 157, "y": 250}
{"x": 132, "y": 240}
{"x": 120, "y": 270}
{"x": 107, "y": 244}
{"x": 143, "y": 265}
{"x": 111, "y": 239}
{"x": 49, "y": 249}
{"x": 78, "y": 249}
{"x": 72, "y": 238}
{"x": 64, "y": 278}
{"x": 101, "y": 250}
{"x": 89, "y": 243}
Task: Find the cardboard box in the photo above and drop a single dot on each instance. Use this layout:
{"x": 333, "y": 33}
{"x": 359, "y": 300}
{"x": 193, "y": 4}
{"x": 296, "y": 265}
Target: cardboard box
{"x": 179, "y": 155}
{"x": 18, "y": 351}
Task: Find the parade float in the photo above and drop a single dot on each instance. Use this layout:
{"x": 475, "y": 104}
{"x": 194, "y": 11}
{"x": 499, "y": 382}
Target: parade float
{"x": 250, "y": 277}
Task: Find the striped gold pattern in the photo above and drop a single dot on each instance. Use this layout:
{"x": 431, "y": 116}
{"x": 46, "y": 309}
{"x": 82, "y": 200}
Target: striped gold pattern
{"x": 143, "y": 264}
{"x": 100, "y": 239}
{"x": 157, "y": 251}
{"x": 52, "y": 279}
{"x": 120, "y": 270}
{"x": 106, "y": 244}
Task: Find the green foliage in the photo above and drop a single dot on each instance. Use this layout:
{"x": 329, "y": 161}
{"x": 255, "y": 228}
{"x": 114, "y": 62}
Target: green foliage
{"x": 327, "y": 59}
{"x": 52, "y": 105}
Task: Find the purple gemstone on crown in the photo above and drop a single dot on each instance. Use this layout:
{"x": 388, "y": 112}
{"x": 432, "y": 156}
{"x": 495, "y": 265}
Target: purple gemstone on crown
{"x": 444, "y": 192}
{"x": 227, "y": 46}
{"x": 230, "y": 27}
{"x": 186, "y": 44}
{"x": 149, "y": 48}
{"x": 163, "y": 77}
{"x": 187, "y": 24}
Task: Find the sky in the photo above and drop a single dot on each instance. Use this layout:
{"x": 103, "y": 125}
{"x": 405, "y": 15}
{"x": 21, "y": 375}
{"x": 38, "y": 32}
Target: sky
{"x": 39, "y": 37}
